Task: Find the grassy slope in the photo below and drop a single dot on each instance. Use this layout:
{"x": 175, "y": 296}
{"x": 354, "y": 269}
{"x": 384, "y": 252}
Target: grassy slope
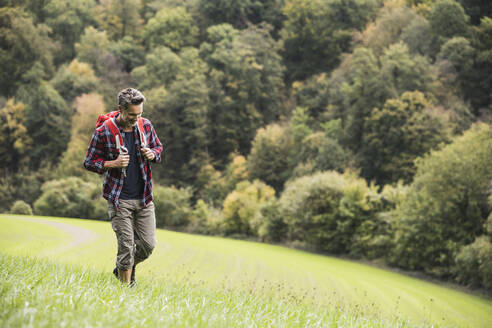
{"x": 40, "y": 293}
{"x": 271, "y": 271}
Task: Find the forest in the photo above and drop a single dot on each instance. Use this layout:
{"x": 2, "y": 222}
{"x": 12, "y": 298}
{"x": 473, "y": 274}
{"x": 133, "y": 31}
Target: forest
{"x": 357, "y": 128}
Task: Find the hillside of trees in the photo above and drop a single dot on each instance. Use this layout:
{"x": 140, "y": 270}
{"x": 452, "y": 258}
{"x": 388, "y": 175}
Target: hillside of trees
{"x": 360, "y": 128}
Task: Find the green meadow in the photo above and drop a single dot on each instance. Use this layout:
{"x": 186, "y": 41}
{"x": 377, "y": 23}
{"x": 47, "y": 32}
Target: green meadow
{"x": 57, "y": 272}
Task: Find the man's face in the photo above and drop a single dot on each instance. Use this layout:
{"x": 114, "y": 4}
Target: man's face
{"x": 130, "y": 116}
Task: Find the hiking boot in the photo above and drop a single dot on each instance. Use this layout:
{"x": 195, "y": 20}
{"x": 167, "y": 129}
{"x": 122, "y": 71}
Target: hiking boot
{"x": 132, "y": 277}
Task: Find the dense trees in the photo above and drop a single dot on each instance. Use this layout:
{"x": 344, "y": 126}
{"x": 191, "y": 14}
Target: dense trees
{"x": 14, "y": 139}
{"x": 316, "y": 33}
{"x": 172, "y": 28}
{"x": 394, "y": 136}
{"x": 336, "y": 125}
{"x": 22, "y": 44}
{"x": 67, "y": 20}
{"x": 246, "y": 86}
{"x": 329, "y": 211}
{"x": 446, "y": 207}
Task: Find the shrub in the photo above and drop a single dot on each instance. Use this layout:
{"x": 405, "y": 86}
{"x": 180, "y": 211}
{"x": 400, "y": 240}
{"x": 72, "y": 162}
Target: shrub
{"x": 270, "y": 223}
{"x": 446, "y": 205}
{"x": 330, "y": 211}
{"x": 474, "y": 264}
{"x": 321, "y": 153}
{"x": 241, "y": 206}
{"x": 172, "y": 206}
{"x": 21, "y": 207}
{"x": 75, "y": 79}
{"x": 205, "y": 219}
{"x": 270, "y": 155}
{"x": 211, "y": 185}
{"x": 70, "y": 197}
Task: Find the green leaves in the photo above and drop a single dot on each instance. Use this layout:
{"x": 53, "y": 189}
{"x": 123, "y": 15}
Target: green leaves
{"x": 71, "y": 197}
{"x": 173, "y": 28}
{"x": 316, "y": 33}
{"x": 394, "y": 136}
{"x": 445, "y": 207}
{"x": 22, "y": 44}
{"x": 15, "y": 142}
{"x": 327, "y": 209}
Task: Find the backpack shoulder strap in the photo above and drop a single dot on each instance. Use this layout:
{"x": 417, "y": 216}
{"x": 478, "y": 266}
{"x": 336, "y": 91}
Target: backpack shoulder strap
{"x": 143, "y": 140}
{"x": 115, "y": 131}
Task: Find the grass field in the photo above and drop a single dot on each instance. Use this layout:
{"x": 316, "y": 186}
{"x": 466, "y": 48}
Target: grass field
{"x": 195, "y": 280}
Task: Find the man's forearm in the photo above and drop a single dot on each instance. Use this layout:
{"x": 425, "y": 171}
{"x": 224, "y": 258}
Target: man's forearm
{"x": 109, "y": 165}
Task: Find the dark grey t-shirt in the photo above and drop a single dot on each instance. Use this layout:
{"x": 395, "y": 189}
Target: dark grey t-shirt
{"x": 133, "y": 185}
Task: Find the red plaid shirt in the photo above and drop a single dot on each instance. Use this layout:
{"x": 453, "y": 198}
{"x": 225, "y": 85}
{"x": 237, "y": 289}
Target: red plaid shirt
{"x": 103, "y": 148}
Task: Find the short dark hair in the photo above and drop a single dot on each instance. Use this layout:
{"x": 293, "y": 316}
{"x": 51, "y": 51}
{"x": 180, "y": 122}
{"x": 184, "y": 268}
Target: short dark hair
{"x": 130, "y": 96}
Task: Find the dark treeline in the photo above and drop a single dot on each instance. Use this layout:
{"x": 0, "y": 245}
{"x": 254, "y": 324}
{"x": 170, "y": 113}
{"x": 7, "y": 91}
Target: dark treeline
{"x": 352, "y": 127}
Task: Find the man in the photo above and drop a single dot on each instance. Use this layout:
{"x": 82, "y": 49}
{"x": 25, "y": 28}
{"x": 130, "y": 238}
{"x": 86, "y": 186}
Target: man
{"x": 128, "y": 181}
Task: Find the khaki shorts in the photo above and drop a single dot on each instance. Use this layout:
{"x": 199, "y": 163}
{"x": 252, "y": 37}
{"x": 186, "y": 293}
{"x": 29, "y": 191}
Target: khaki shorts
{"x": 134, "y": 226}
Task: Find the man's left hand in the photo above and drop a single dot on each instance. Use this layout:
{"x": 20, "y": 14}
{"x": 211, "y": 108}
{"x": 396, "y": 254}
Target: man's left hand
{"x": 148, "y": 154}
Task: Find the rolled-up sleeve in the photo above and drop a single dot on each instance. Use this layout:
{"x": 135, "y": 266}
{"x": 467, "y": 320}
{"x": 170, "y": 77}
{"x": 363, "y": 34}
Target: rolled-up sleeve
{"x": 94, "y": 158}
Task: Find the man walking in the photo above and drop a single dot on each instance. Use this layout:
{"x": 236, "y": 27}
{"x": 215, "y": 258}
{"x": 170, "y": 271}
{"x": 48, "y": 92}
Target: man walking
{"x": 125, "y": 160}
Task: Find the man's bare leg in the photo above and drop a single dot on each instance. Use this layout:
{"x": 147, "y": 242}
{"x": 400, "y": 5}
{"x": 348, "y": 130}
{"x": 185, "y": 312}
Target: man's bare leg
{"x": 125, "y": 275}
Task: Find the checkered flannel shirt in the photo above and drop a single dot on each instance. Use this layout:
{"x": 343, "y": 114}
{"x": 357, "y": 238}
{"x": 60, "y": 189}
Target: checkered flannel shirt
{"x": 103, "y": 148}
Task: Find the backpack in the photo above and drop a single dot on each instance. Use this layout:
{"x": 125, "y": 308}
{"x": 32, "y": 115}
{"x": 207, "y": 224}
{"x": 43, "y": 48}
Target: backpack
{"x": 109, "y": 119}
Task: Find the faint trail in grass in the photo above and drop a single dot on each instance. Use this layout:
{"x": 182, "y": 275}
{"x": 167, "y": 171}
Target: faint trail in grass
{"x": 79, "y": 235}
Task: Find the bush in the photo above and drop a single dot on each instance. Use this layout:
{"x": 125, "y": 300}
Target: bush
{"x": 474, "y": 264}
{"x": 205, "y": 219}
{"x": 321, "y": 153}
{"x": 270, "y": 223}
{"x": 211, "y": 185}
{"x": 446, "y": 205}
{"x": 172, "y": 206}
{"x": 331, "y": 211}
{"x": 269, "y": 160}
{"x": 21, "y": 207}
{"x": 240, "y": 208}
{"x": 71, "y": 197}
{"x": 75, "y": 79}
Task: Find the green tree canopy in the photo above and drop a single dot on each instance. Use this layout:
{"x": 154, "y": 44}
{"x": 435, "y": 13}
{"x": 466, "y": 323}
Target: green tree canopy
{"x": 179, "y": 113}
{"x": 74, "y": 79}
{"x": 67, "y": 20}
{"x": 240, "y": 13}
{"x": 48, "y": 118}
{"x": 271, "y": 156}
{"x": 317, "y": 32}
{"x": 22, "y": 43}
{"x": 328, "y": 209}
{"x": 477, "y": 9}
{"x": 246, "y": 86}
{"x": 173, "y": 28}
{"x": 71, "y": 197}
{"x": 119, "y": 18}
{"x": 446, "y": 206}
{"x": 129, "y": 52}
{"x": 395, "y": 135}
{"x": 448, "y": 19}
{"x": 15, "y": 142}
{"x": 368, "y": 83}
{"x": 160, "y": 70}
{"x": 242, "y": 206}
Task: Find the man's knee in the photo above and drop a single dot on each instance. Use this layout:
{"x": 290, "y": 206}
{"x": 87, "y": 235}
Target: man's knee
{"x": 149, "y": 246}
{"x": 144, "y": 249}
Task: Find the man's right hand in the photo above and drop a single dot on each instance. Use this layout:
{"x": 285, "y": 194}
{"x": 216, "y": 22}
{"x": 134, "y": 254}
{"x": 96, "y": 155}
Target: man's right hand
{"x": 120, "y": 162}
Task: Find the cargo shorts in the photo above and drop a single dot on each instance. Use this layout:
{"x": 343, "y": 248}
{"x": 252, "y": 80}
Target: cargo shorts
{"x": 134, "y": 226}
